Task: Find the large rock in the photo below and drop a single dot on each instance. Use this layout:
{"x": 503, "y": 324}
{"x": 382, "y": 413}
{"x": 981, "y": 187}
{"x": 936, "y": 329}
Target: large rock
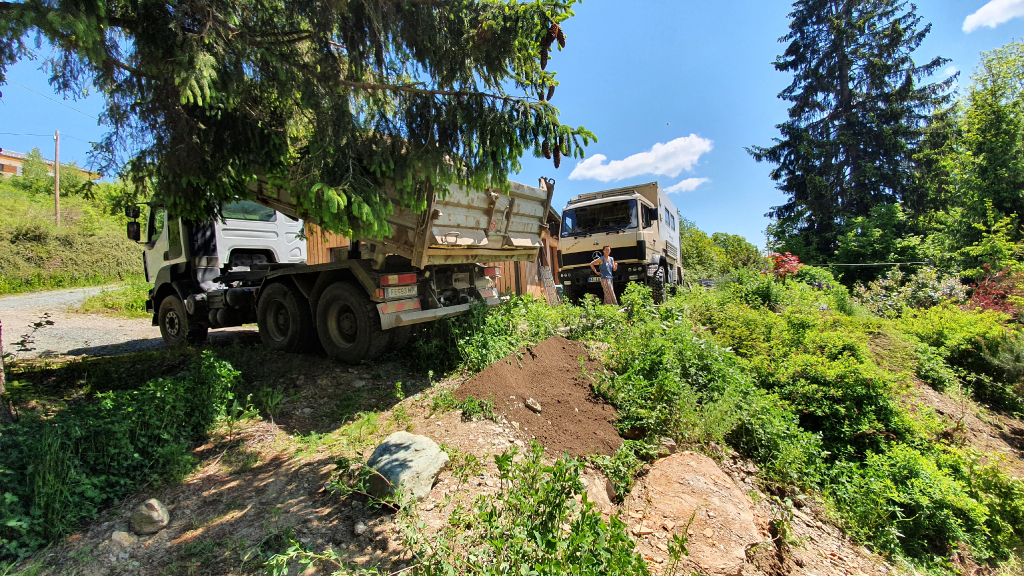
{"x": 150, "y": 517}
{"x": 408, "y": 462}
{"x": 685, "y": 485}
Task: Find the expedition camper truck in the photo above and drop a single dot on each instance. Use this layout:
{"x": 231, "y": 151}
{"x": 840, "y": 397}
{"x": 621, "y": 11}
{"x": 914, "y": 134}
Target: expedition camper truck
{"x": 640, "y": 224}
{"x": 250, "y": 267}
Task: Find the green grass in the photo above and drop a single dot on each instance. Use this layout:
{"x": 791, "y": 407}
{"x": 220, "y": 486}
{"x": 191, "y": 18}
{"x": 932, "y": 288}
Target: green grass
{"x": 89, "y": 248}
{"x": 128, "y": 299}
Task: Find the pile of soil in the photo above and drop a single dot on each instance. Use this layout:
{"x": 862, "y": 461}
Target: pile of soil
{"x": 572, "y": 418}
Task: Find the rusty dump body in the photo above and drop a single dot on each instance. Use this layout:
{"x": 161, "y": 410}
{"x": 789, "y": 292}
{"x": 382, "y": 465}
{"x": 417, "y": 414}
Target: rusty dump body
{"x": 461, "y": 226}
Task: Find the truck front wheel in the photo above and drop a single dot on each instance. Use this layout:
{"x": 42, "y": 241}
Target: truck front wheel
{"x": 176, "y": 328}
{"x": 349, "y": 325}
{"x": 284, "y": 319}
{"x": 656, "y": 280}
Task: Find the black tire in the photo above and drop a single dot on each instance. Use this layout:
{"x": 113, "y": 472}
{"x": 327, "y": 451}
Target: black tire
{"x": 349, "y": 326}
{"x": 400, "y": 336}
{"x": 284, "y": 319}
{"x": 656, "y": 280}
{"x": 176, "y": 328}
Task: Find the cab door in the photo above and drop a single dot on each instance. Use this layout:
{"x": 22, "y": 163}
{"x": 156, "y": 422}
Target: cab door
{"x": 163, "y": 242}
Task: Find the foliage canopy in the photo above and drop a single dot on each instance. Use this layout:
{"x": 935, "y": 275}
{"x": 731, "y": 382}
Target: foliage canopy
{"x": 329, "y": 102}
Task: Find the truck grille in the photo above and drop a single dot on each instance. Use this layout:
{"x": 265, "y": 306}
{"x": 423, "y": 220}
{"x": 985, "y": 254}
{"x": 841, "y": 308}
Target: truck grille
{"x": 584, "y": 258}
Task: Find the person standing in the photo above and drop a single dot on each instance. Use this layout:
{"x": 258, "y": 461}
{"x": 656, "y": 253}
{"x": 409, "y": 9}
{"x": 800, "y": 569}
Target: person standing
{"x": 608, "y": 266}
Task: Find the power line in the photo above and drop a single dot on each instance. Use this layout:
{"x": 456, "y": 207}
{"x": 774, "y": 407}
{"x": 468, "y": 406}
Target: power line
{"x": 46, "y": 136}
{"x": 53, "y": 99}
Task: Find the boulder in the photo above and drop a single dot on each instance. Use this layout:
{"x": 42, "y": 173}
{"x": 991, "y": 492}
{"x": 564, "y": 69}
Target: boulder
{"x": 666, "y": 447}
{"x": 408, "y": 462}
{"x": 599, "y": 489}
{"x": 689, "y": 485}
{"x": 150, "y": 517}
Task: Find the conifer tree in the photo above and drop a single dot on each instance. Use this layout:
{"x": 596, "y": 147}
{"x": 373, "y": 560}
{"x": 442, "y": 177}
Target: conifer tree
{"x": 859, "y": 104}
{"x": 329, "y": 102}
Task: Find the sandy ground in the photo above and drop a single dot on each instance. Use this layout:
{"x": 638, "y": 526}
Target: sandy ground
{"x": 77, "y": 334}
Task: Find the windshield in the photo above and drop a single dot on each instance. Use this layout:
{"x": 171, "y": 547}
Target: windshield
{"x": 605, "y": 217}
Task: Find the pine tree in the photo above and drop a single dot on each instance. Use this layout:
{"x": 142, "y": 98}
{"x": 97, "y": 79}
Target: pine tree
{"x": 330, "y": 102}
{"x": 859, "y": 105}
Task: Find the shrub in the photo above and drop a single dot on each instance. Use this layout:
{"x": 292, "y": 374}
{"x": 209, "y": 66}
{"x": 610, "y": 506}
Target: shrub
{"x": 924, "y": 505}
{"x": 532, "y": 525}
{"x": 484, "y": 335}
{"x": 58, "y": 472}
{"x": 890, "y": 295}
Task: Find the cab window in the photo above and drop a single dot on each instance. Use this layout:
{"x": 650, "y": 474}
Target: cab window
{"x": 156, "y": 223}
{"x": 247, "y": 210}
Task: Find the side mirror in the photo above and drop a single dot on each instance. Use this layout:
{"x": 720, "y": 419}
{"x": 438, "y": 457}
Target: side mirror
{"x": 134, "y": 230}
{"x": 132, "y": 211}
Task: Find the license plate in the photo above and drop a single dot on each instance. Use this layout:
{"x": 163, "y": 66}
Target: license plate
{"x": 400, "y": 292}
{"x": 596, "y": 279}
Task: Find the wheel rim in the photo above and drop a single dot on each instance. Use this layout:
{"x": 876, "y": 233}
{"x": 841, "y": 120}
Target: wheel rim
{"x": 280, "y": 320}
{"x": 343, "y": 325}
{"x": 172, "y": 323}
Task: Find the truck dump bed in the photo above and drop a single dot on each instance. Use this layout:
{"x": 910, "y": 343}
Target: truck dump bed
{"x": 463, "y": 227}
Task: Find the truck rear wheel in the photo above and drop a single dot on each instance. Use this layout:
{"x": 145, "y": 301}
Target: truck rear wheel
{"x": 284, "y": 319}
{"x": 348, "y": 325}
{"x": 176, "y": 328}
{"x": 656, "y": 280}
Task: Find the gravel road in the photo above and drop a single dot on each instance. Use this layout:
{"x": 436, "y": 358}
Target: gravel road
{"x": 77, "y": 334}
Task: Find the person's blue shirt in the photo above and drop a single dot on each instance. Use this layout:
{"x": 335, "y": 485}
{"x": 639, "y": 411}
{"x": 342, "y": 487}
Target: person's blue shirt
{"x": 606, "y": 267}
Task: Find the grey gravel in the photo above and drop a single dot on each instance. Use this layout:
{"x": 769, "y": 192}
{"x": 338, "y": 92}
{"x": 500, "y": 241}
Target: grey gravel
{"x": 77, "y": 334}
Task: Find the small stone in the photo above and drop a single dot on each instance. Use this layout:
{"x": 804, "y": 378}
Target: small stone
{"x": 359, "y": 529}
{"x": 667, "y": 447}
{"x": 307, "y": 411}
{"x": 489, "y": 483}
{"x": 669, "y": 525}
{"x": 661, "y": 547}
{"x": 641, "y": 530}
{"x": 709, "y": 533}
{"x": 429, "y": 507}
{"x": 359, "y": 383}
{"x": 122, "y": 539}
{"x": 533, "y": 405}
{"x": 515, "y": 425}
{"x": 150, "y": 517}
{"x": 367, "y": 376}
{"x": 636, "y": 514}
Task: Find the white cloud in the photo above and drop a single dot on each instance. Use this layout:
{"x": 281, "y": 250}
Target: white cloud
{"x": 993, "y": 14}
{"x": 688, "y": 185}
{"x": 667, "y": 159}
{"x": 950, "y": 71}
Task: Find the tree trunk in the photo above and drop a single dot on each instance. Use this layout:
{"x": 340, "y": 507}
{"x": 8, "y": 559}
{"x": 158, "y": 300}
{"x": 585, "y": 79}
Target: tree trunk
{"x": 6, "y": 414}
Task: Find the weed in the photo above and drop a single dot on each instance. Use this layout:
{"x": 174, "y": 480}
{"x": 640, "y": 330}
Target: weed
{"x": 472, "y": 408}
{"x": 58, "y": 472}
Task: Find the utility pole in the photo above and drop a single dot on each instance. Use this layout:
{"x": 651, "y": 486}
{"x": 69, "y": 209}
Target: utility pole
{"x": 56, "y": 177}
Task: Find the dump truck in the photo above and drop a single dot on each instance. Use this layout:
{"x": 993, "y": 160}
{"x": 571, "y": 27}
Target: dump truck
{"x": 640, "y": 224}
{"x": 249, "y": 267}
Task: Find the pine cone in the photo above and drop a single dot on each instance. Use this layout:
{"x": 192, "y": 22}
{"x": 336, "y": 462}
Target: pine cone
{"x": 540, "y": 95}
{"x": 546, "y": 149}
{"x": 558, "y": 156}
{"x": 561, "y": 38}
{"x": 553, "y": 31}
{"x": 551, "y": 92}
{"x": 543, "y": 58}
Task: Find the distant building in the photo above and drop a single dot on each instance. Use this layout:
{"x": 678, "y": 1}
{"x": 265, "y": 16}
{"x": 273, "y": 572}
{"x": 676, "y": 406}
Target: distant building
{"x": 11, "y": 161}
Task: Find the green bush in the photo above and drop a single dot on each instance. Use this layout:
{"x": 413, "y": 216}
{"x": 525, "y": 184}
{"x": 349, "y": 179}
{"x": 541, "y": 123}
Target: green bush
{"x": 59, "y": 472}
{"x": 533, "y": 525}
{"x": 485, "y": 335}
{"x": 892, "y": 294}
{"x": 924, "y": 505}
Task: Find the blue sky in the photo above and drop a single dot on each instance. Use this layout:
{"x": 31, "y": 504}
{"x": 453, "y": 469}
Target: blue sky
{"x": 674, "y": 89}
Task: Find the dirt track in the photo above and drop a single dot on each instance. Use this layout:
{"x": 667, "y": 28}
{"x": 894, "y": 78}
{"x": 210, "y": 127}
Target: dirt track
{"x": 77, "y": 334}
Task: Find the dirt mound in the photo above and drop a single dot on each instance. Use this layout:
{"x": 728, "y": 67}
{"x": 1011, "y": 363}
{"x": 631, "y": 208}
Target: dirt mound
{"x": 571, "y": 418}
